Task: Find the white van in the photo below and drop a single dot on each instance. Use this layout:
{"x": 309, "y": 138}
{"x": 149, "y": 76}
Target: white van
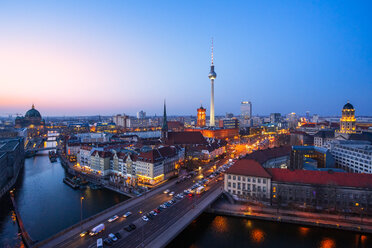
{"x": 97, "y": 229}
{"x": 99, "y": 243}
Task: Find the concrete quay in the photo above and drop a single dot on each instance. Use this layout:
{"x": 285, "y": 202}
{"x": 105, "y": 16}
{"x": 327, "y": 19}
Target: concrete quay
{"x": 348, "y": 223}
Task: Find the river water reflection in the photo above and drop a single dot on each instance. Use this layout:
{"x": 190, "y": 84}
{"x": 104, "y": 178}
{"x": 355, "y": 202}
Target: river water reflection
{"x": 46, "y": 204}
{"x": 221, "y": 231}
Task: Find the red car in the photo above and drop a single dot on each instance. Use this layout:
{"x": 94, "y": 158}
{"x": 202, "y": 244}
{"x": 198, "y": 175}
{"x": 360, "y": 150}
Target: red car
{"x": 156, "y": 211}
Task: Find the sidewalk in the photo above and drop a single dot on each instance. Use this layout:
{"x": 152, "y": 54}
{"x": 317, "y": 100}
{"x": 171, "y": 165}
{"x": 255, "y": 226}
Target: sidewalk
{"x": 294, "y": 216}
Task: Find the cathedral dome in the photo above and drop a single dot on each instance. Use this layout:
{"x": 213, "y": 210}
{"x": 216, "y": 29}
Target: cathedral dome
{"x": 32, "y": 113}
{"x": 348, "y": 106}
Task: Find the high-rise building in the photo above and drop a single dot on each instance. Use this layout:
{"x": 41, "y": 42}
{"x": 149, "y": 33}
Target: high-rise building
{"x": 348, "y": 121}
{"x": 275, "y": 117}
{"x": 315, "y": 118}
{"x": 201, "y": 117}
{"x": 246, "y": 109}
{"x": 121, "y": 120}
{"x": 212, "y": 76}
{"x": 141, "y": 114}
{"x": 292, "y": 120}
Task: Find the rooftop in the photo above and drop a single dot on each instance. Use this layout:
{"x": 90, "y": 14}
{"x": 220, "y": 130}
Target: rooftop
{"x": 262, "y": 156}
{"x": 321, "y": 177}
{"x": 248, "y": 167}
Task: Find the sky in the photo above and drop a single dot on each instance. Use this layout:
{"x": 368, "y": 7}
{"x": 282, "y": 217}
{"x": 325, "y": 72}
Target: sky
{"x": 110, "y": 57}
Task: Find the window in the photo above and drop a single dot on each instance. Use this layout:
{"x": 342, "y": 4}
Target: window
{"x": 228, "y": 184}
{"x": 234, "y": 177}
{"x": 253, "y": 180}
{"x": 243, "y": 186}
{"x": 243, "y": 179}
{"x": 229, "y": 177}
{"x": 264, "y": 180}
{"x": 238, "y": 178}
{"x": 248, "y": 179}
{"x": 238, "y": 185}
{"x": 258, "y": 180}
{"x": 234, "y": 185}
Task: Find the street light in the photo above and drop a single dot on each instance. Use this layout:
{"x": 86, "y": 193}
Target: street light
{"x": 81, "y": 213}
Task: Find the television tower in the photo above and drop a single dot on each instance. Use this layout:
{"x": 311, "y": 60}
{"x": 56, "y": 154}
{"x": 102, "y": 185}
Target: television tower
{"x": 212, "y": 76}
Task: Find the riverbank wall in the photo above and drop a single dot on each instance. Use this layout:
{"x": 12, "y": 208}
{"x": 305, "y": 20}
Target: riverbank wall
{"x": 349, "y": 223}
{"x": 12, "y": 157}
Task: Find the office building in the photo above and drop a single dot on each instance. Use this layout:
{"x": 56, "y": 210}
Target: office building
{"x": 352, "y": 155}
{"x": 246, "y": 109}
{"x": 275, "y": 117}
{"x": 141, "y": 115}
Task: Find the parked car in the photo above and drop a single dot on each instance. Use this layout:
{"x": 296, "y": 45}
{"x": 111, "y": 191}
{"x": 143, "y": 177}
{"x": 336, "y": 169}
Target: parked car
{"x": 113, "y": 237}
{"x": 130, "y": 227}
{"x": 108, "y": 241}
{"x": 118, "y": 235}
{"x": 171, "y": 193}
{"x": 145, "y": 218}
{"x": 99, "y": 243}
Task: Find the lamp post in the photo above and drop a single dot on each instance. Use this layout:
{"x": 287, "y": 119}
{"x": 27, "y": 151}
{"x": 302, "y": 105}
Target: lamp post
{"x": 81, "y": 213}
{"x": 142, "y": 230}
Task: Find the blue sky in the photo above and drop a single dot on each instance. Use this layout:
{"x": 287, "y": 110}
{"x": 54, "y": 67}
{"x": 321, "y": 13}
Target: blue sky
{"x": 108, "y": 57}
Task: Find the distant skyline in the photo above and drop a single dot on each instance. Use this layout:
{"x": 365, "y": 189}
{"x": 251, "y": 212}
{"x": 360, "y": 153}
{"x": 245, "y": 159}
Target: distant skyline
{"x": 94, "y": 57}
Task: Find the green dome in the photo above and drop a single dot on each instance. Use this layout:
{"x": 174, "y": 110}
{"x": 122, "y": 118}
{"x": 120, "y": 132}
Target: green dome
{"x": 32, "y": 113}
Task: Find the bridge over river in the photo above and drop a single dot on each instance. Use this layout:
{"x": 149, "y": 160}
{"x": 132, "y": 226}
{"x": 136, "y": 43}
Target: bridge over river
{"x": 157, "y": 232}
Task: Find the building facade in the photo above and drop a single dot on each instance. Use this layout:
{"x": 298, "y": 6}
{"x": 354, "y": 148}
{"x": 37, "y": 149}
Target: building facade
{"x": 337, "y": 191}
{"x": 348, "y": 121}
{"x": 201, "y": 117}
{"x": 248, "y": 180}
{"x": 352, "y": 155}
{"x": 322, "y": 137}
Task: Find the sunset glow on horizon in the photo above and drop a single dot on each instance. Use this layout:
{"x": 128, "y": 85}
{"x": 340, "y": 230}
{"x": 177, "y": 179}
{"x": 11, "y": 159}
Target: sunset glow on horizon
{"x": 91, "y": 57}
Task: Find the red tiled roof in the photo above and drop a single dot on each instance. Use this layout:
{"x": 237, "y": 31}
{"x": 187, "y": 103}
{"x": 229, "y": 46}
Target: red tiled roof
{"x": 185, "y": 138}
{"x": 248, "y": 167}
{"x": 158, "y": 154}
{"x": 262, "y": 156}
{"x": 175, "y": 125}
{"x": 321, "y": 177}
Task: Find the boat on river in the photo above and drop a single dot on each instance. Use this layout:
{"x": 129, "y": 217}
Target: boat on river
{"x": 70, "y": 183}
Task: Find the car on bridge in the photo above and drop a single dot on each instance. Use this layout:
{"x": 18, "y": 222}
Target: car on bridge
{"x": 127, "y": 214}
{"x": 113, "y": 218}
{"x": 97, "y": 229}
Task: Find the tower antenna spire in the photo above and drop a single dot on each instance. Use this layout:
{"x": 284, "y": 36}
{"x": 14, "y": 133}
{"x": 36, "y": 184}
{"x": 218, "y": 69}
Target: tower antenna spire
{"x": 212, "y": 50}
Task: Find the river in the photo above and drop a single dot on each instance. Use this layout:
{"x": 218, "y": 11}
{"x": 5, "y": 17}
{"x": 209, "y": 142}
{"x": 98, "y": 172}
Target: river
{"x": 46, "y": 204}
{"x": 221, "y": 231}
